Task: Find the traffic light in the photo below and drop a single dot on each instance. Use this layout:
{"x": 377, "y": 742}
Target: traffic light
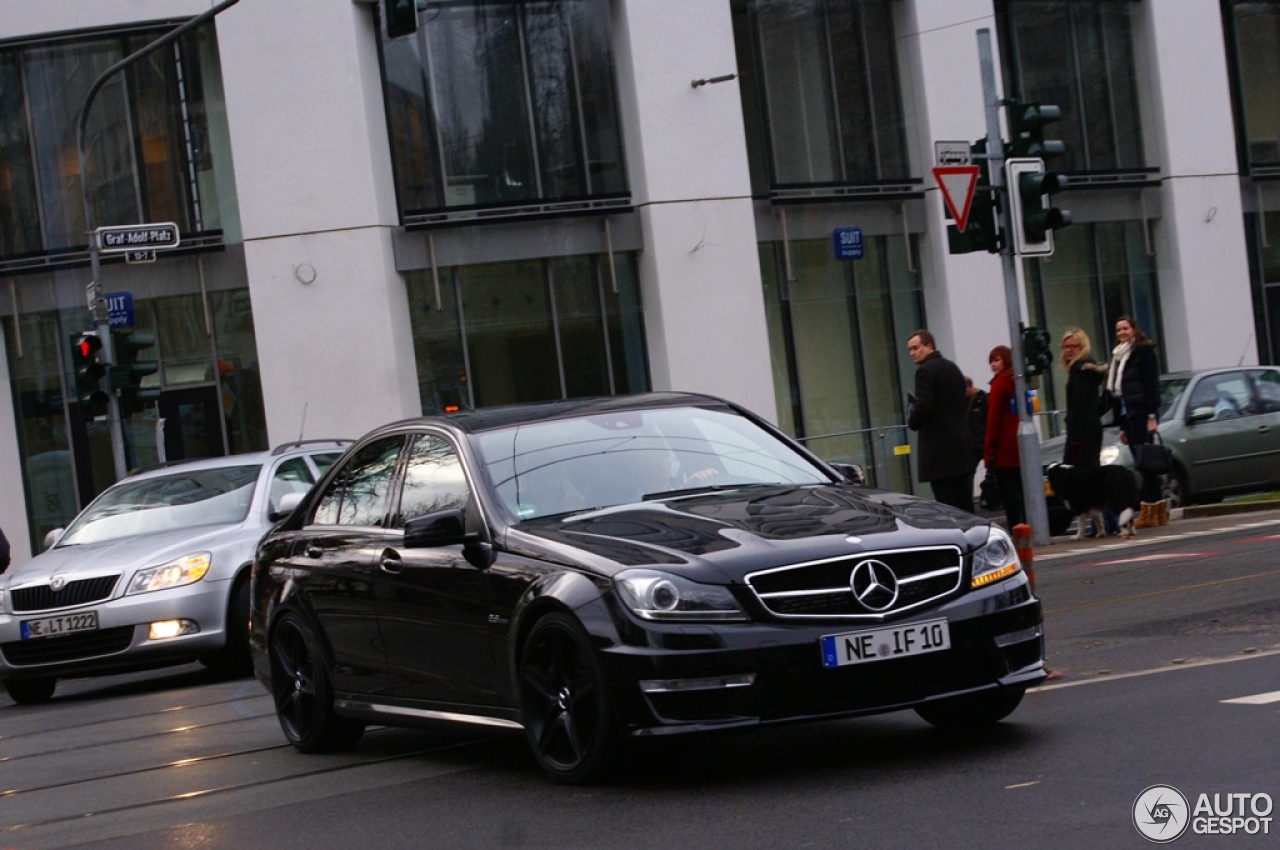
{"x": 1037, "y": 351}
{"x": 1031, "y": 217}
{"x": 982, "y": 231}
{"x": 129, "y": 371}
{"x": 1026, "y": 130}
{"x": 401, "y": 17}
{"x": 89, "y": 372}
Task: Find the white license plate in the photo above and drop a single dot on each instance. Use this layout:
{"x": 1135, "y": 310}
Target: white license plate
{"x": 85, "y": 621}
{"x": 882, "y": 644}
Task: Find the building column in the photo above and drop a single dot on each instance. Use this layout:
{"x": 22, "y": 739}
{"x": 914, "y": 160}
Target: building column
{"x": 317, "y": 208}
{"x": 13, "y": 509}
{"x": 1206, "y": 305}
{"x": 964, "y": 293}
{"x": 687, "y": 155}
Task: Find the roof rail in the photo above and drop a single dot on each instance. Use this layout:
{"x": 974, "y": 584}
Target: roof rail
{"x": 283, "y": 447}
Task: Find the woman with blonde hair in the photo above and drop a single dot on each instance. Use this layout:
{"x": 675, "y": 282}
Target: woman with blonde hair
{"x": 1084, "y": 414}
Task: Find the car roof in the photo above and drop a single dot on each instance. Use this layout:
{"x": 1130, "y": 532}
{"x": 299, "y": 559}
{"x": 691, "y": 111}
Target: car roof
{"x": 298, "y": 447}
{"x": 490, "y": 418}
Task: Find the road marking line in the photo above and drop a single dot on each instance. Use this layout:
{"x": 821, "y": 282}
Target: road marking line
{"x": 1138, "y": 559}
{"x": 1118, "y": 676}
{"x": 1256, "y": 699}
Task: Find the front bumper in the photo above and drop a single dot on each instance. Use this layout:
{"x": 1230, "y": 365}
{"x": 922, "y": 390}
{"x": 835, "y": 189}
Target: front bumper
{"x": 121, "y": 641}
{"x": 758, "y": 674}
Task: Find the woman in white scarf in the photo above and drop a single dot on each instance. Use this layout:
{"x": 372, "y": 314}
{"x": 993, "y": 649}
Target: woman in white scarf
{"x": 1134, "y": 381}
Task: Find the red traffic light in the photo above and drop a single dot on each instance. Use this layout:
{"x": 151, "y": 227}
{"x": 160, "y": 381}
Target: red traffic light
{"x": 87, "y": 345}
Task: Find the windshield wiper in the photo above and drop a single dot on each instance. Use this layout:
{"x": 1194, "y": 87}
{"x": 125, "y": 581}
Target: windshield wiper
{"x": 703, "y": 488}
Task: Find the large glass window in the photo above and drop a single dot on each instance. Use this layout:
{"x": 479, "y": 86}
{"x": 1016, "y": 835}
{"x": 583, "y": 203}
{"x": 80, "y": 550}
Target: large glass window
{"x": 837, "y": 335}
{"x": 532, "y": 330}
{"x": 1078, "y": 55}
{"x": 821, "y": 87}
{"x": 504, "y": 104}
{"x": 1254, "y": 29}
{"x": 149, "y": 140}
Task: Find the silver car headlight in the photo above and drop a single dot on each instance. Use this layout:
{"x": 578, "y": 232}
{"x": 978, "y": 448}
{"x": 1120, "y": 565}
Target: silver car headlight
{"x": 996, "y": 559}
{"x": 185, "y": 570}
{"x": 1109, "y": 455}
{"x": 664, "y": 597}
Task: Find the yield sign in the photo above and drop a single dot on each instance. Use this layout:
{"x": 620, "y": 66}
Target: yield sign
{"x": 957, "y": 183}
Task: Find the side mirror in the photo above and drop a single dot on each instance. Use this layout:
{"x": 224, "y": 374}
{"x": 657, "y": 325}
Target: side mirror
{"x": 1200, "y": 414}
{"x": 285, "y": 506}
{"x": 851, "y": 471}
{"x": 438, "y": 528}
{"x": 53, "y": 537}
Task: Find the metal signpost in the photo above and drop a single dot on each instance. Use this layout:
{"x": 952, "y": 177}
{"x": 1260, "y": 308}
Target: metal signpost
{"x": 151, "y": 235}
{"x": 1028, "y": 438}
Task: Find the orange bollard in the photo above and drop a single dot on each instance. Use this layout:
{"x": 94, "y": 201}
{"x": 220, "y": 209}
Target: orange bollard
{"x": 1027, "y": 555}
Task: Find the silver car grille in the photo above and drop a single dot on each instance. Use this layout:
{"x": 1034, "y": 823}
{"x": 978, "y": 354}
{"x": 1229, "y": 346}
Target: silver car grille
{"x": 42, "y": 597}
{"x": 825, "y": 589}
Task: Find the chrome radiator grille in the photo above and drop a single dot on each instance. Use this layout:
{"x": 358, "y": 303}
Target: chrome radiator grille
{"x": 905, "y": 579}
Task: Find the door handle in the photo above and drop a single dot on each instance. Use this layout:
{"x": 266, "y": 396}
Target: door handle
{"x": 391, "y": 562}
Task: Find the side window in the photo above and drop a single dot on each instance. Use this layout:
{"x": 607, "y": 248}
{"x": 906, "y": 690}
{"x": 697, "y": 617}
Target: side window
{"x": 358, "y": 493}
{"x": 1227, "y": 396}
{"x": 1267, "y": 384}
{"x": 291, "y": 476}
{"x": 433, "y": 480}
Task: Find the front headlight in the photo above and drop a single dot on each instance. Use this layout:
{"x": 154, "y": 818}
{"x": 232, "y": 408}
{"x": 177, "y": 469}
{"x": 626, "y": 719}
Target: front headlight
{"x": 996, "y": 559}
{"x": 1109, "y": 455}
{"x": 664, "y": 597}
{"x": 185, "y": 570}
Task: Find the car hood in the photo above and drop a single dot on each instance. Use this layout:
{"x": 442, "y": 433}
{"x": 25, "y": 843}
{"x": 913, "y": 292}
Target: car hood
{"x": 735, "y": 532}
{"x": 122, "y": 555}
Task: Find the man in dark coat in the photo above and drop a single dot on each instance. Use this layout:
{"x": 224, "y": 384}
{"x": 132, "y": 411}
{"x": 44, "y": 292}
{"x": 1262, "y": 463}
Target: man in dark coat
{"x": 937, "y": 409}
{"x": 4, "y": 552}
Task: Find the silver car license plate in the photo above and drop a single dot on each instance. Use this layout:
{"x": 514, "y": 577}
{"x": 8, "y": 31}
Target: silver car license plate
{"x": 85, "y": 621}
{"x": 882, "y": 644}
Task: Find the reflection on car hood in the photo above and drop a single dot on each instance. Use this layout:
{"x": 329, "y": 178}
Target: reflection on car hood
{"x": 755, "y": 528}
{"x": 122, "y": 555}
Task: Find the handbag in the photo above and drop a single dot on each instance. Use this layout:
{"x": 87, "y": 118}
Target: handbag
{"x": 989, "y": 493}
{"x": 1153, "y": 458}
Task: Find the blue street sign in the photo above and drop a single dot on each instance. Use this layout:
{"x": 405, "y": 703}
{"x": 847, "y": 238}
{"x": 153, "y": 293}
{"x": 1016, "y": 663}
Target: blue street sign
{"x": 120, "y": 309}
{"x": 847, "y": 243}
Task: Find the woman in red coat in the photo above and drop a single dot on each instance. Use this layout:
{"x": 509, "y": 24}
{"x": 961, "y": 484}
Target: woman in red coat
{"x": 1000, "y": 449}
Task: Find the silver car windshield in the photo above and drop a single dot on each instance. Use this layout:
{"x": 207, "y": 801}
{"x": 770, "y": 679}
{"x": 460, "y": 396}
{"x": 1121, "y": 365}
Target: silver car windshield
{"x": 182, "y": 500}
{"x": 602, "y": 460}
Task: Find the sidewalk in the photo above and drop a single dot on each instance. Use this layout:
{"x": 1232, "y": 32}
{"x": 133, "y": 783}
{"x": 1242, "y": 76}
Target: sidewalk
{"x": 1193, "y": 520}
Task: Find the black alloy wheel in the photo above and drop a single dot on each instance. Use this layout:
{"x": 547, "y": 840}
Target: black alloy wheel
{"x": 302, "y": 692}
{"x": 30, "y": 691}
{"x": 564, "y": 703}
{"x": 971, "y": 710}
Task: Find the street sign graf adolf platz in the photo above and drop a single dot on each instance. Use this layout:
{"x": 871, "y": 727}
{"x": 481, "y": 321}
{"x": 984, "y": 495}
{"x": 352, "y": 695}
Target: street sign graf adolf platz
{"x": 957, "y": 183}
{"x": 123, "y": 238}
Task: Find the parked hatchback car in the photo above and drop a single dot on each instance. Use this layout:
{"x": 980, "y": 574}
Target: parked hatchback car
{"x": 1223, "y": 426}
{"x": 154, "y": 571}
{"x": 604, "y": 571}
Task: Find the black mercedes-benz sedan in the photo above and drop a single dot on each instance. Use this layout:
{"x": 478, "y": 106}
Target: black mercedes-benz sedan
{"x": 598, "y": 572}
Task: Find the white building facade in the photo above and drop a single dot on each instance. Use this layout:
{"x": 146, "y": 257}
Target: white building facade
{"x": 536, "y": 199}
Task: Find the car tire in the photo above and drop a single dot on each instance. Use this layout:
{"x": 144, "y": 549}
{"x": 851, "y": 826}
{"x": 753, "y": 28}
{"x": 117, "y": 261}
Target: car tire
{"x": 1174, "y": 489}
{"x": 234, "y": 660}
{"x": 30, "y": 691}
{"x": 564, "y": 703}
{"x": 966, "y": 712}
{"x": 302, "y": 691}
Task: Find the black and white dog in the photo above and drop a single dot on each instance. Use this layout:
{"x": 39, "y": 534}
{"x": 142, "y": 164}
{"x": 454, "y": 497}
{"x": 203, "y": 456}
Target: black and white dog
{"x": 1087, "y": 491}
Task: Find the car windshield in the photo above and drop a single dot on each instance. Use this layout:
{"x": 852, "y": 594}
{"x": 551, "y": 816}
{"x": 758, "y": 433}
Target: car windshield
{"x": 182, "y": 500}
{"x": 597, "y": 461}
{"x": 1171, "y": 390}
